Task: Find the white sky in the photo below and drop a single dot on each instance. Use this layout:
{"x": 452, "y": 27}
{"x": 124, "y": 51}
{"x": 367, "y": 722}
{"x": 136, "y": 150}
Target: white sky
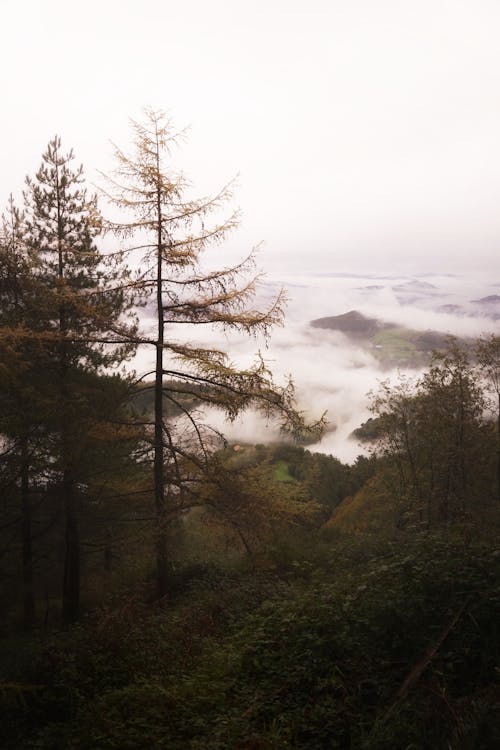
{"x": 366, "y": 132}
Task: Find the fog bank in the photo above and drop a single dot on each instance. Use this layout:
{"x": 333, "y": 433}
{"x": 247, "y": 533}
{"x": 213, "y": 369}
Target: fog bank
{"x": 331, "y": 372}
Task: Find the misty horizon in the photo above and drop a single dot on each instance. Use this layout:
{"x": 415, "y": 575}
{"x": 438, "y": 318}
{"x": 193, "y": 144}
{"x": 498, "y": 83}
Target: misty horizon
{"x": 364, "y": 136}
{"x": 331, "y": 372}
{"x": 364, "y": 139}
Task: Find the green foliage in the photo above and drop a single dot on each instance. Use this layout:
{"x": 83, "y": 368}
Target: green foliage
{"x": 319, "y": 663}
{"x": 326, "y": 479}
{"x": 64, "y": 319}
{"x": 277, "y": 630}
{"x": 433, "y": 431}
{"x": 372, "y": 512}
{"x": 395, "y": 345}
{"x": 281, "y": 473}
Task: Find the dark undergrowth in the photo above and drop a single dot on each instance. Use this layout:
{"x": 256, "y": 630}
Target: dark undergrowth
{"x": 378, "y": 646}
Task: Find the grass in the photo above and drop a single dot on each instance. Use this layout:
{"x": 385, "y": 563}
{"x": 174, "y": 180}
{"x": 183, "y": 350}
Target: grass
{"x": 370, "y": 511}
{"x": 396, "y": 345}
{"x": 281, "y": 473}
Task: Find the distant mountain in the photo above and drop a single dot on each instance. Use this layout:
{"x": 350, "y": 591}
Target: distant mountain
{"x": 451, "y": 309}
{"x": 349, "y": 275}
{"x": 370, "y": 289}
{"x": 352, "y": 323}
{"x": 392, "y": 345}
{"x": 428, "y": 341}
{"x": 492, "y": 299}
{"x": 415, "y": 291}
{"x": 414, "y": 286}
{"x": 490, "y": 306}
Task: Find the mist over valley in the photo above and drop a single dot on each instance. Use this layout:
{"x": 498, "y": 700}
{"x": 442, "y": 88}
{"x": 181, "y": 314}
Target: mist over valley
{"x": 343, "y": 333}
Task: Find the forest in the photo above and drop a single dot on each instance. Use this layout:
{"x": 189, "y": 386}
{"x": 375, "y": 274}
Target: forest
{"x": 163, "y": 588}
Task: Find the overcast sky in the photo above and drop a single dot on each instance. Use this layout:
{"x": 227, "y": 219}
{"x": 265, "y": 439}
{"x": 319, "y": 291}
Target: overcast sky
{"x": 366, "y": 133}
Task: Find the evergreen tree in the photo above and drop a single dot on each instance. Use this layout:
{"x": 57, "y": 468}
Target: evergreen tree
{"x": 81, "y": 320}
{"x": 18, "y": 404}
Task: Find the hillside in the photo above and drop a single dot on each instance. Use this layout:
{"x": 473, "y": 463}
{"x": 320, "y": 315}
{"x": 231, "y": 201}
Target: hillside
{"x": 392, "y": 345}
{"x": 352, "y": 323}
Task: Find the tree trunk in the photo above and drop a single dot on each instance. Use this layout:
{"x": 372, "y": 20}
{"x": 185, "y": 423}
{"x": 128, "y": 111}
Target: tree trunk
{"x": 159, "y": 480}
{"x": 498, "y": 450}
{"x": 26, "y": 532}
{"x": 71, "y": 583}
{"x": 159, "y": 471}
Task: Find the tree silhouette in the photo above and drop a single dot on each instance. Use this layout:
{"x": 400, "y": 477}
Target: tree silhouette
{"x": 170, "y": 231}
{"x": 81, "y": 321}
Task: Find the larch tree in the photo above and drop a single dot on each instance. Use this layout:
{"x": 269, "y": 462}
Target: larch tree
{"x": 171, "y": 230}
{"x": 81, "y": 320}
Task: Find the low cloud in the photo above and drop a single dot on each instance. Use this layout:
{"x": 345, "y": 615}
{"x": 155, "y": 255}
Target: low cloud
{"x": 331, "y": 372}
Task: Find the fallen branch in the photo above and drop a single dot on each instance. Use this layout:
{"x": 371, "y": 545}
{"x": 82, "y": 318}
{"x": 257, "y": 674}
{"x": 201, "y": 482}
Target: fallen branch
{"x": 415, "y": 673}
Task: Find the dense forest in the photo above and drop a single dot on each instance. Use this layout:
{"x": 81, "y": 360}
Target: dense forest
{"x": 163, "y": 588}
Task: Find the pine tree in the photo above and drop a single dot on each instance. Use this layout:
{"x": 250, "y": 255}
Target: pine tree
{"x": 171, "y": 231}
{"x": 18, "y": 371}
{"x": 81, "y": 321}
